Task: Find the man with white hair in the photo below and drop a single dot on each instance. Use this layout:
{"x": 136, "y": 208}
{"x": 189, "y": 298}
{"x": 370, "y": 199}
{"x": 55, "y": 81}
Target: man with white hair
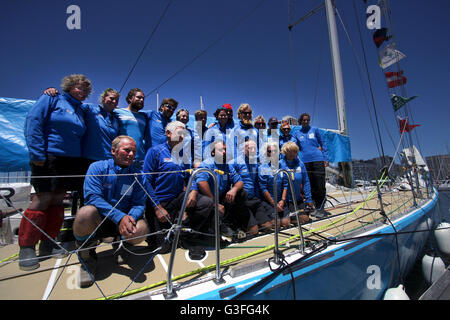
{"x": 244, "y": 130}
{"x": 169, "y": 183}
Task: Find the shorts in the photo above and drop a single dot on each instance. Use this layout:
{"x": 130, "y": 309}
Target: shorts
{"x": 107, "y": 229}
{"x": 261, "y": 210}
{"x": 59, "y": 166}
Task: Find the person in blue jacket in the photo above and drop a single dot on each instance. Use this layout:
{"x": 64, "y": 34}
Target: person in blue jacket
{"x": 158, "y": 120}
{"x": 133, "y": 122}
{"x": 266, "y": 173}
{"x": 115, "y": 204}
{"x": 291, "y": 162}
{"x": 233, "y": 212}
{"x": 222, "y": 130}
{"x": 200, "y": 129}
{"x": 168, "y": 178}
{"x": 244, "y": 130}
{"x": 54, "y": 128}
{"x": 188, "y": 152}
{"x": 102, "y": 127}
{"x": 261, "y": 212}
{"x": 285, "y": 135}
{"x": 314, "y": 154}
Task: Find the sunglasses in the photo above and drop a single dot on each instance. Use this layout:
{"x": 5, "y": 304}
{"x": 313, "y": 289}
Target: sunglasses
{"x": 169, "y": 106}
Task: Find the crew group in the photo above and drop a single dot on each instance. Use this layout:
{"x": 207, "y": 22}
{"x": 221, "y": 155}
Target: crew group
{"x": 135, "y": 165}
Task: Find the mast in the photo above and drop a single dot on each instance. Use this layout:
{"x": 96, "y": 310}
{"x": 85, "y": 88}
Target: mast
{"x": 346, "y": 167}
{"x": 337, "y": 69}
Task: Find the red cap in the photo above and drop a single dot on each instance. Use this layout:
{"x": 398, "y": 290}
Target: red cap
{"x": 227, "y": 106}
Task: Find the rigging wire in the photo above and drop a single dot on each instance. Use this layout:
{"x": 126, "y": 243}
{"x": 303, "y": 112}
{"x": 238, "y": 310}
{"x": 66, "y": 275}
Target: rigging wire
{"x": 386, "y": 12}
{"x": 361, "y": 81}
{"x": 292, "y": 61}
{"x": 318, "y": 76}
{"x": 370, "y": 82}
{"x": 234, "y": 26}
{"x": 146, "y": 44}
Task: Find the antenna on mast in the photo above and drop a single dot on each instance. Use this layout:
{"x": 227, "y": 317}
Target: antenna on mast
{"x": 157, "y": 101}
{"x": 201, "y": 103}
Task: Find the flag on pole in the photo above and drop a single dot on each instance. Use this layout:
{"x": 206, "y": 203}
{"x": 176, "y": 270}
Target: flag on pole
{"x": 395, "y": 79}
{"x": 379, "y": 36}
{"x": 398, "y": 101}
{"x": 389, "y": 55}
{"x": 404, "y": 126}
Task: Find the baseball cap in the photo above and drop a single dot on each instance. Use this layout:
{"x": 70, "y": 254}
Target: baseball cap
{"x": 227, "y": 106}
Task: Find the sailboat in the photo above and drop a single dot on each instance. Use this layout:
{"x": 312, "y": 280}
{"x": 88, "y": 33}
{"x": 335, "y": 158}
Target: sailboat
{"x": 366, "y": 245}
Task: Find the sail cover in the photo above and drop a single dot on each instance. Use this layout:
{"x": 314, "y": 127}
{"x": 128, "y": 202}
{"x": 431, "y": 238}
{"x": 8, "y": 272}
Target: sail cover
{"x": 13, "y": 148}
{"x": 15, "y": 152}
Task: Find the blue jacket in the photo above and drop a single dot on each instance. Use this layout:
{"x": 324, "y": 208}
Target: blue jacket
{"x": 166, "y": 186}
{"x": 249, "y": 175}
{"x": 243, "y": 133}
{"x": 300, "y": 178}
{"x": 215, "y": 133}
{"x": 225, "y": 181}
{"x": 156, "y": 129}
{"x": 200, "y": 143}
{"x": 283, "y": 139}
{"x": 265, "y": 180}
{"x": 54, "y": 125}
{"x": 102, "y": 128}
{"x": 133, "y": 124}
{"x": 188, "y": 151}
{"x": 309, "y": 140}
{"x": 104, "y": 192}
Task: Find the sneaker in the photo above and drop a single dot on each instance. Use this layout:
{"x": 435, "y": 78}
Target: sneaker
{"x": 88, "y": 261}
{"x": 226, "y": 231}
{"x": 50, "y": 248}
{"x": 320, "y": 214}
{"x": 27, "y": 259}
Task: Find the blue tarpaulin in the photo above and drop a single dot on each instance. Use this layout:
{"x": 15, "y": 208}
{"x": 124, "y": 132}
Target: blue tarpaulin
{"x": 13, "y": 148}
{"x": 15, "y": 152}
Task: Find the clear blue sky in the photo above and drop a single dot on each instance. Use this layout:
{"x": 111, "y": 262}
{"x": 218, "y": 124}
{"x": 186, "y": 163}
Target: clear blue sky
{"x": 249, "y": 64}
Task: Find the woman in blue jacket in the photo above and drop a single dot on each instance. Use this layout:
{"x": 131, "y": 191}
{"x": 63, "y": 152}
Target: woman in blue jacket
{"x": 222, "y": 130}
{"x": 270, "y": 154}
{"x": 54, "y": 128}
{"x": 314, "y": 154}
{"x": 291, "y": 162}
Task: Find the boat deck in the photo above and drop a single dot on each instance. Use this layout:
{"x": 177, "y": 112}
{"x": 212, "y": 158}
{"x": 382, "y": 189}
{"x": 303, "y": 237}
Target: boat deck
{"x": 57, "y": 278}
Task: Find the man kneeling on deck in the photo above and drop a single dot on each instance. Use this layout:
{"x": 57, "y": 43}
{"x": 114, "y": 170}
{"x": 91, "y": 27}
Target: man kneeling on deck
{"x": 233, "y": 211}
{"x": 115, "y": 203}
{"x": 168, "y": 178}
{"x": 247, "y": 167}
